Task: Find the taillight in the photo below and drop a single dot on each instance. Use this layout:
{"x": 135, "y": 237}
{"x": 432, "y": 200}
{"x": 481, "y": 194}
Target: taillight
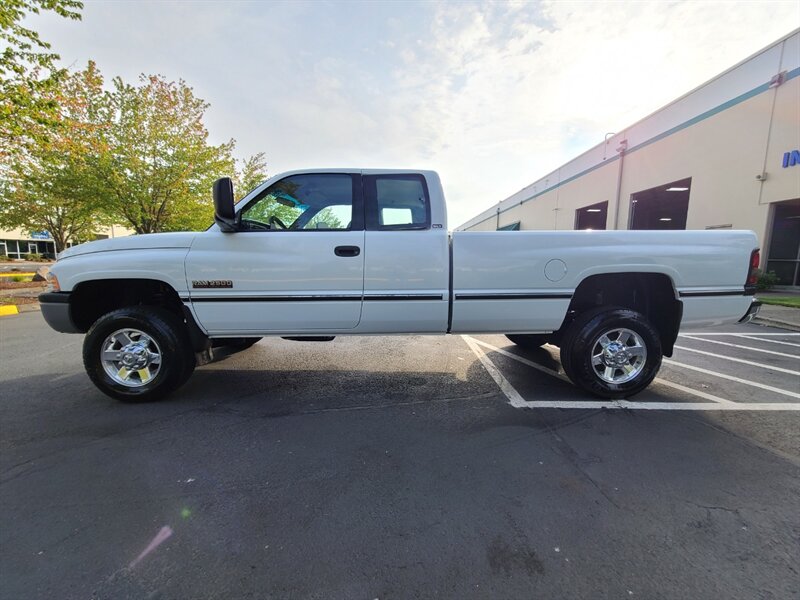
{"x": 752, "y": 273}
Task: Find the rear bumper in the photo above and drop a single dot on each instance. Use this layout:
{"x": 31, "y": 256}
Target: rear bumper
{"x": 752, "y": 311}
{"x": 56, "y": 311}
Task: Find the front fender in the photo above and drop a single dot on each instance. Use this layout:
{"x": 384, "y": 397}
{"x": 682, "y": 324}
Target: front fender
{"x": 160, "y": 264}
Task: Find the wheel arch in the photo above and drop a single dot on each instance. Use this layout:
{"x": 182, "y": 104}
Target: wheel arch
{"x": 651, "y": 293}
{"x": 92, "y": 298}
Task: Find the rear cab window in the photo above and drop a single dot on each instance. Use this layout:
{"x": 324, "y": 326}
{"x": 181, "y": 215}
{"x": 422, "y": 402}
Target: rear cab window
{"x": 397, "y": 202}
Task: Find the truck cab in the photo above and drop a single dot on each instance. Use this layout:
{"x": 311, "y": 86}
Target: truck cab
{"x": 327, "y": 251}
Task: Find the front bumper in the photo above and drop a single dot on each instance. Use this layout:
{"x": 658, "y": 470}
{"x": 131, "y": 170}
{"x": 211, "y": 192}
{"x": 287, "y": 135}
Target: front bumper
{"x": 752, "y": 311}
{"x": 56, "y": 311}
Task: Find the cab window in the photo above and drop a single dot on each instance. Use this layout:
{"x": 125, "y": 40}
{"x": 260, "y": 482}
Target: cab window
{"x": 307, "y": 202}
{"x": 397, "y": 202}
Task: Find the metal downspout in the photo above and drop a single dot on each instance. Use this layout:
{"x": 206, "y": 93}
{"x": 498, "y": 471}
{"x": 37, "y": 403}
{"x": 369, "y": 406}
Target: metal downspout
{"x": 623, "y": 145}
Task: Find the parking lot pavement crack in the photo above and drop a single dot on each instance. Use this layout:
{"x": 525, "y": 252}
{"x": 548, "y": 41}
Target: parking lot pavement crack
{"x": 29, "y": 471}
{"x": 707, "y": 507}
{"x": 563, "y": 448}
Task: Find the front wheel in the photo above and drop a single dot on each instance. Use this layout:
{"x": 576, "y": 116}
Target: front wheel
{"x": 611, "y": 353}
{"x": 138, "y": 354}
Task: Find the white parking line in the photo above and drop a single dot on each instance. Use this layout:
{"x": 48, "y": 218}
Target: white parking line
{"x": 762, "y": 386}
{"x": 745, "y": 334}
{"x": 740, "y": 360}
{"x": 699, "y": 339}
{"x": 525, "y": 361}
{"x": 760, "y": 339}
{"x": 688, "y": 390}
{"x": 517, "y": 401}
{"x": 513, "y": 396}
{"x": 521, "y": 359}
{"x": 612, "y": 404}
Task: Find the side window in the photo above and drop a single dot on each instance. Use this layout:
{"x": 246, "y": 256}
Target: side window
{"x": 316, "y": 201}
{"x": 397, "y": 202}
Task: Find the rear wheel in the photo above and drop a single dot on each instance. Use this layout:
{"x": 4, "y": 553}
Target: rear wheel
{"x": 138, "y": 354}
{"x": 529, "y": 340}
{"x": 612, "y": 353}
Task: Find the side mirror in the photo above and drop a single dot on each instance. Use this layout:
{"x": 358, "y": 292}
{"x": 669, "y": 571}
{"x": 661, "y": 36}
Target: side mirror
{"x": 224, "y": 213}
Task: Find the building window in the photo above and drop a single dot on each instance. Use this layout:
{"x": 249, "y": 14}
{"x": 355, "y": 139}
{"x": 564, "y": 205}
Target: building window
{"x": 662, "y": 207}
{"x": 510, "y": 227}
{"x": 784, "y": 246}
{"x": 592, "y": 217}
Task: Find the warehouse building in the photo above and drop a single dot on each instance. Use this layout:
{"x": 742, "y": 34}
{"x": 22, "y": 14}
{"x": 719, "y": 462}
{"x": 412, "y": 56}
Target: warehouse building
{"x": 724, "y": 156}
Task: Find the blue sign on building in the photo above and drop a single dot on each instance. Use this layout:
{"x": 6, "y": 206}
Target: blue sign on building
{"x": 791, "y": 159}
{"x": 40, "y": 235}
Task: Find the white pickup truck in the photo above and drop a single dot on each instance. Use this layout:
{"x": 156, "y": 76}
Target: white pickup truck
{"x": 310, "y": 255}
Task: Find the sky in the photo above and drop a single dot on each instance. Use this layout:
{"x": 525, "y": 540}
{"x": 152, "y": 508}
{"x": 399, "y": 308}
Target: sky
{"x": 492, "y": 95}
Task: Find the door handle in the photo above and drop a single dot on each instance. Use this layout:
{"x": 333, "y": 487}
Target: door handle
{"x": 347, "y": 250}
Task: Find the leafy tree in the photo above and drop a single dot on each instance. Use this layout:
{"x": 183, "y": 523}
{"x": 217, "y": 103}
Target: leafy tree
{"x": 28, "y": 75}
{"x": 252, "y": 174}
{"x": 158, "y": 168}
{"x": 53, "y": 185}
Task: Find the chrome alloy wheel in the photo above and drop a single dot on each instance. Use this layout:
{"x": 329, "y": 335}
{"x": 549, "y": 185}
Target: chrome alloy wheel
{"x": 131, "y": 357}
{"x": 618, "y": 355}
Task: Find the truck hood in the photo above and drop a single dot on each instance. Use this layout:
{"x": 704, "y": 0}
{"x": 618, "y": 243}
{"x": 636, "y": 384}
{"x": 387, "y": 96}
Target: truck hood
{"x": 147, "y": 241}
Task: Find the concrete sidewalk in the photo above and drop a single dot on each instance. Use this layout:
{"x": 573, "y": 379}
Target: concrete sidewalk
{"x": 779, "y": 316}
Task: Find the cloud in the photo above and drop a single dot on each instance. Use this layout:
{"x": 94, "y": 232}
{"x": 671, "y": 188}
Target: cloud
{"x": 493, "y": 95}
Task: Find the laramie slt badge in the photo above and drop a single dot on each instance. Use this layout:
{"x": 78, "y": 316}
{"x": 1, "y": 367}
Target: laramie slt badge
{"x": 212, "y": 283}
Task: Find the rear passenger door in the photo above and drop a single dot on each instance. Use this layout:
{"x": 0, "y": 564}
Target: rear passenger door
{"x": 406, "y": 262}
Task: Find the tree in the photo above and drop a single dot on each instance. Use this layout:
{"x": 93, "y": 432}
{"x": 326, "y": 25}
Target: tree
{"x": 28, "y": 75}
{"x": 252, "y": 174}
{"x": 158, "y": 167}
{"x": 53, "y": 186}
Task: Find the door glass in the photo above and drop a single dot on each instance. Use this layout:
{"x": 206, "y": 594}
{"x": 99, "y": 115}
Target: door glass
{"x": 397, "y": 201}
{"x": 303, "y": 202}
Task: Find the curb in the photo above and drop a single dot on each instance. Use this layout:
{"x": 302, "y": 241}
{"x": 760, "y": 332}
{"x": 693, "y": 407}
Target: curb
{"x": 776, "y": 323}
{"x": 6, "y": 310}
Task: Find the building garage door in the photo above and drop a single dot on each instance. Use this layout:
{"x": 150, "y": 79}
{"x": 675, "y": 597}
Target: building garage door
{"x": 784, "y": 246}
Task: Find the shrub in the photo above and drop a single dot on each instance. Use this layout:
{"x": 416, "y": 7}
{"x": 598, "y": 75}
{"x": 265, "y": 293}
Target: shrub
{"x": 767, "y": 280}
{"x": 33, "y": 257}
{"x": 4, "y": 258}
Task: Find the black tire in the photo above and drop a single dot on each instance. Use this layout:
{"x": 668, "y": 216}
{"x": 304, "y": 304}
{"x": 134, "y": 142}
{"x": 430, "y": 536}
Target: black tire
{"x": 165, "y": 329}
{"x": 235, "y": 344}
{"x": 582, "y": 337}
{"x": 528, "y": 340}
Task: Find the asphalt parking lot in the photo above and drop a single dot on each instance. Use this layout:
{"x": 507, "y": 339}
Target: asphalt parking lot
{"x": 405, "y": 467}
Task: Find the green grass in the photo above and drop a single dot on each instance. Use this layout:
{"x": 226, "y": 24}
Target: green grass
{"x": 793, "y": 301}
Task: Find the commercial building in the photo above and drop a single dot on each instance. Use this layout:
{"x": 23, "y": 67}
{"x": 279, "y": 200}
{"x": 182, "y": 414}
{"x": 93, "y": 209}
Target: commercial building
{"x": 18, "y": 243}
{"x": 725, "y": 155}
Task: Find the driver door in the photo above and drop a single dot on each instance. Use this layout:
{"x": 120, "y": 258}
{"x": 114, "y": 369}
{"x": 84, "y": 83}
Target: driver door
{"x": 295, "y": 266}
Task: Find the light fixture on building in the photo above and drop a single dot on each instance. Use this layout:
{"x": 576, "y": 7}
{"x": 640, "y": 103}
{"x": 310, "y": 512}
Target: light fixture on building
{"x": 665, "y": 219}
{"x": 594, "y": 210}
{"x": 678, "y": 189}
